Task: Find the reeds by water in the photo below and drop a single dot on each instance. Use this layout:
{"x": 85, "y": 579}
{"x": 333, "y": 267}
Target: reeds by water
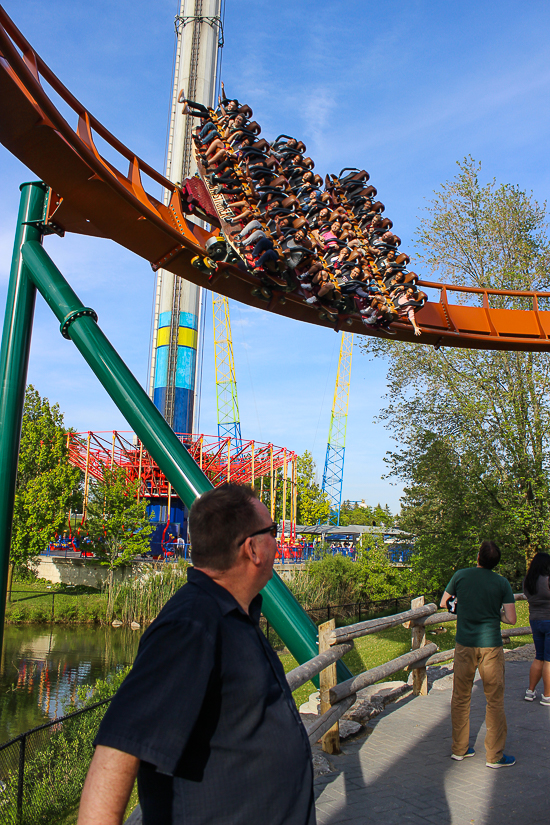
{"x": 142, "y": 599}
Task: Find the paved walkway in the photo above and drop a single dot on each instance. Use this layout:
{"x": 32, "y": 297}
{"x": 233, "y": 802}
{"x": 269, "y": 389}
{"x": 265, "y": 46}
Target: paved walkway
{"x": 401, "y": 773}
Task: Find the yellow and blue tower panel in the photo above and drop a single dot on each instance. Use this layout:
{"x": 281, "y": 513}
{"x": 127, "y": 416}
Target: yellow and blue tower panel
{"x": 185, "y": 364}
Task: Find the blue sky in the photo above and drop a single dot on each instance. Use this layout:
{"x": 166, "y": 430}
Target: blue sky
{"x": 403, "y": 89}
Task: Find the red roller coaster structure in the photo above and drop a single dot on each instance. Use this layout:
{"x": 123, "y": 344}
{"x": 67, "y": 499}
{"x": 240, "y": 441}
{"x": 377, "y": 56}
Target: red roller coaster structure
{"x": 93, "y": 452}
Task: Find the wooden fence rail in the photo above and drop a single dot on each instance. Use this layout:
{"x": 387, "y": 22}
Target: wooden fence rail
{"x": 442, "y": 656}
{"x": 516, "y": 631}
{"x": 324, "y": 723}
{"x": 340, "y": 640}
{"x": 369, "y": 677}
{"x": 436, "y": 618}
{"x": 355, "y": 631}
{"x": 302, "y": 674}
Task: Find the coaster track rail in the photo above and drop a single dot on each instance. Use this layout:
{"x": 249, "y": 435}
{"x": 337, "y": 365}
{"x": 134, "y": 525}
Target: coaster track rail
{"x": 91, "y": 196}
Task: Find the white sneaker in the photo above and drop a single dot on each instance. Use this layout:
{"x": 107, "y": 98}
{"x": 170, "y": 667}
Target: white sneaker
{"x": 530, "y": 695}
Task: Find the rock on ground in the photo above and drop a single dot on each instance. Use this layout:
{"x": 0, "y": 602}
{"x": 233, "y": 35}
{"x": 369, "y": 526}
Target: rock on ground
{"x": 525, "y": 653}
{"x": 373, "y": 699}
{"x": 348, "y": 728}
{"x": 321, "y": 765}
{"x": 313, "y": 705}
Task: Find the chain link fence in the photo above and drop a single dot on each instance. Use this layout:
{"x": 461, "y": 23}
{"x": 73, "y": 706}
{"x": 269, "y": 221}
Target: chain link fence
{"x": 42, "y": 771}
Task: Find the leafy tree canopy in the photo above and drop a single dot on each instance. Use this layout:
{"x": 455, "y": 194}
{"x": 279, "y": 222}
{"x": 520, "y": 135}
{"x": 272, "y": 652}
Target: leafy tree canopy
{"x": 354, "y": 513}
{"x": 312, "y": 504}
{"x": 473, "y": 426}
{"x": 46, "y": 483}
{"x": 117, "y": 522}
{"x": 377, "y": 578}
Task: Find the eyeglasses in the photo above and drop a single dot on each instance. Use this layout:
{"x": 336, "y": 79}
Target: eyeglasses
{"x": 273, "y": 527}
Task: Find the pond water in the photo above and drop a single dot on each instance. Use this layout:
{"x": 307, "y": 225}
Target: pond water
{"x": 42, "y": 666}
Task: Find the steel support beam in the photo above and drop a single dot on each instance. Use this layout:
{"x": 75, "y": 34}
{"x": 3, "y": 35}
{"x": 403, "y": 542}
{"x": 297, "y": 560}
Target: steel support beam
{"x": 14, "y": 359}
{"x": 78, "y": 323}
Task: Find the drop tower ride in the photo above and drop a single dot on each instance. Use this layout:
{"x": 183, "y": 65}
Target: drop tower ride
{"x": 174, "y": 353}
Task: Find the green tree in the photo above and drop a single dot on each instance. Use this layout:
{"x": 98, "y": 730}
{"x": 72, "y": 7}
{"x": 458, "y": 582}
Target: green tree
{"x": 352, "y": 513}
{"x": 117, "y": 522}
{"x": 376, "y": 576}
{"x": 474, "y": 425}
{"x": 46, "y": 483}
{"x": 313, "y": 506}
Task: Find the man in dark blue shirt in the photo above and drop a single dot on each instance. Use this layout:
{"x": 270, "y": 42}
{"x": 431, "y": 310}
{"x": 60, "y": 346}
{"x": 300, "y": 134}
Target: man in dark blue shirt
{"x": 206, "y": 719}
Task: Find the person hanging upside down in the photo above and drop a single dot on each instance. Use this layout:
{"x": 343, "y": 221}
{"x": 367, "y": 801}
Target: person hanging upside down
{"x": 406, "y": 307}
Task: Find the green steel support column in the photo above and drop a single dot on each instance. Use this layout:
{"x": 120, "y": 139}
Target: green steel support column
{"x": 281, "y": 609}
{"x": 14, "y": 359}
{"x": 78, "y": 323}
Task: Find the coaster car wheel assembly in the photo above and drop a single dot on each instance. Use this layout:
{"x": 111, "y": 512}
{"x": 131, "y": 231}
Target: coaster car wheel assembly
{"x": 263, "y": 292}
{"x": 217, "y": 248}
{"x": 206, "y": 265}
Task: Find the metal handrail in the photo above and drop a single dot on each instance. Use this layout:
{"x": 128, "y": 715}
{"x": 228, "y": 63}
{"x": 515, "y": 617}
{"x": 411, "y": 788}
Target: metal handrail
{"x": 511, "y": 293}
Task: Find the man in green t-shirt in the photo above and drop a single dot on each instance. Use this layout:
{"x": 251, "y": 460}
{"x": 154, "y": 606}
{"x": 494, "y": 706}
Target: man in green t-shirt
{"x": 483, "y": 600}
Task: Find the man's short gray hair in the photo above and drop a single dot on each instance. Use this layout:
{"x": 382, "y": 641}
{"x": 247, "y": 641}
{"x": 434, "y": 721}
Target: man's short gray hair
{"x": 218, "y": 520}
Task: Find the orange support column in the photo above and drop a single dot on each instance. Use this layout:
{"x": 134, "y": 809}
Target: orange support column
{"x": 229, "y": 459}
{"x": 86, "y": 478}
{"x": 285, "y": 475}
{"x": 293, "y": 516}
{"x": 139, "y": 469}
{"x": 272, "y": 482}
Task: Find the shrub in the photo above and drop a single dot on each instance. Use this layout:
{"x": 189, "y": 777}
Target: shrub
{"x": 332, "y": 580}
{"x": 377, "y": 578}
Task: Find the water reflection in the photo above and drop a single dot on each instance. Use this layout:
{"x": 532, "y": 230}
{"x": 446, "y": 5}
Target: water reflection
{"x": 41, "y": 669}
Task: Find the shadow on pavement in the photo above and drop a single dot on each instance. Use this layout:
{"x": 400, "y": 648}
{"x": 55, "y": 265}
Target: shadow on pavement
{"x": 402, "y": 772}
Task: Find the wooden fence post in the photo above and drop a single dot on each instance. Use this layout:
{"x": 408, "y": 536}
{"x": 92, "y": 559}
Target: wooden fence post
{"x": 418, "y": 639}
{"x": 327, "y": 680}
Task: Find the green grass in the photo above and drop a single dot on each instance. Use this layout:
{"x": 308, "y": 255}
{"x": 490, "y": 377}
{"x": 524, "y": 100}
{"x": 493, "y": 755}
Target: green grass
{"x": 379, "y": 648}
{"x": 35, "y": 604}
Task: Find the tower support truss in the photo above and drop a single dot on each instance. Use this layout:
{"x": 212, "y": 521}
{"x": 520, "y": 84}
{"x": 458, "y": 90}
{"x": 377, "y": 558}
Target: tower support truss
{"x": 333, "y": 473}
{"x": 93, "y": 452}
{"x": 229, "y": 423}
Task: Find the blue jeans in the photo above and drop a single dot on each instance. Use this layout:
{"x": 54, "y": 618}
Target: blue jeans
{"x": 208, "y": 133}
{"x": 541, "y": 638}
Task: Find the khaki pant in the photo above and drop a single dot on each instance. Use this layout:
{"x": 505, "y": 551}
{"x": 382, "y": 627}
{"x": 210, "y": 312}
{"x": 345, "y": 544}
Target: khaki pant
{"x": 490, "y": 661}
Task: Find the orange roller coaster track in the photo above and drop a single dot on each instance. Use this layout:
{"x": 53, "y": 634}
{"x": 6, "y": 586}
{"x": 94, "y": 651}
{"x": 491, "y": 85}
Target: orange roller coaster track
{"x": 91, "y": 196}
